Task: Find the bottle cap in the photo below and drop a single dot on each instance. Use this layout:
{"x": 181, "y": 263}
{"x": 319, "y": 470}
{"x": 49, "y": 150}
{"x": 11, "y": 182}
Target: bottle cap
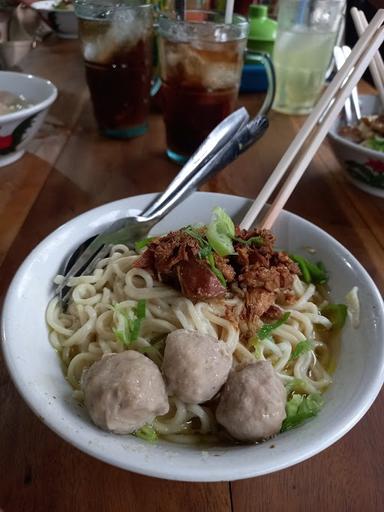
{"x": 258, "y": 11}
{"x": 261, "y": 28}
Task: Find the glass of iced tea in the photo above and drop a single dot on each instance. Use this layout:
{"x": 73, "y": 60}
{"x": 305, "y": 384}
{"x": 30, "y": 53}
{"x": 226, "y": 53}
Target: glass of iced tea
{"x": 117, "y": 46}
{"x": 201, "y": 60}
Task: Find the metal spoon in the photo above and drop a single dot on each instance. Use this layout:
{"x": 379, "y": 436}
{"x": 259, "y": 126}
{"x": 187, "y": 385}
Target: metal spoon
{"x": 230, "y": 138}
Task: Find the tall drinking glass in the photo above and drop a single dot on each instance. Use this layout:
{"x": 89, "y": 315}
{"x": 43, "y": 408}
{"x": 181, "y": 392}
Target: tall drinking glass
{"x": 117, "y": 45}
{"x": 201, "y": 60}
{"x": 307, "y": 31}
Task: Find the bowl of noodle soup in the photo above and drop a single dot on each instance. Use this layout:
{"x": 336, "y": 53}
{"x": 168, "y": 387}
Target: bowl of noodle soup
{"x": 36, "y": 371}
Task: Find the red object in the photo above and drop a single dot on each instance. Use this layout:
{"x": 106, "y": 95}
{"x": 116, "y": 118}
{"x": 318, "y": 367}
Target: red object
{"x": 242, "y": 6}
{"x": 376, "y": 165}
{"x": 6, "y": 142}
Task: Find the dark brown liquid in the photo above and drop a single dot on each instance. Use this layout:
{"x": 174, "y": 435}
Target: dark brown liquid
{"x": 120, "y": 89}
{"x": 200, "y": 81}
{"x": 191, "y": 113}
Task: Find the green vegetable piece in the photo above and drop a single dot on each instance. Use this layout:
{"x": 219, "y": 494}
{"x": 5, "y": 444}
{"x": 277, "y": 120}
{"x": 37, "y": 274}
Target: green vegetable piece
{"x": 206, "y": 253}
{"x": 258, "y": 347}
{"x": 205, "y": 248}
{"x": 266, "y": 330}
{"x": 376, "y": 143}
{"x": 310, "y": 272}
{"x": 147, "y": 433}
{"x": 296, "y": 385}
{"x": 305, "y": 274}
{"x": 299, "y": 408}
{"x": 254, "y": 240}
{"x": 141, "y": 309}
{"x": 129, "y": 323}
{"x": 337, "y": 314}
{"x": 215, "y": 270}
{"x": 301, "y": 348}
{"x": 140, "y": 244}
{"x": 220, "y": 232}
{"x": 195, "y": 233}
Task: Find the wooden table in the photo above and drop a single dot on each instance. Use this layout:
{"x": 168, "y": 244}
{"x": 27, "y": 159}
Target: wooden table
{"x": 70, "y": 169}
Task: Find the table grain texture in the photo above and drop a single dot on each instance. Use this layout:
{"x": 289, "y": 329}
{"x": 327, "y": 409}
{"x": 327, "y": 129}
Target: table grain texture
{"x": 70, "y": 168}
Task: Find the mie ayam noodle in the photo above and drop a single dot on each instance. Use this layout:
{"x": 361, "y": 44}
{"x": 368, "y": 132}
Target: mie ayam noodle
{"x": 217, "y": 335}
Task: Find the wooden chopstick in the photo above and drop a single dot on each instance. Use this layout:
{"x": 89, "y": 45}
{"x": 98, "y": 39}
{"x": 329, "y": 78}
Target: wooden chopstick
{"x": 376, "y": 66}
{"x": 317, "y": 125}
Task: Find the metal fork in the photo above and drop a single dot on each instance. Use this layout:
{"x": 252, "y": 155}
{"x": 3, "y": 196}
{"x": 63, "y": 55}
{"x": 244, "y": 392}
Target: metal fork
{"x": 230, "y": 138}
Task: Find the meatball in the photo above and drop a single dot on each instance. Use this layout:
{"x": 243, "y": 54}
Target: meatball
{"x": 252, "y": 403}
{"x": 124, "y": 391}
{"x": 195, "y": 365}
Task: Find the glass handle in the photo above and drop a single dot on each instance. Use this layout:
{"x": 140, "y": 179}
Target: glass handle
{"x": 264, "y": 58}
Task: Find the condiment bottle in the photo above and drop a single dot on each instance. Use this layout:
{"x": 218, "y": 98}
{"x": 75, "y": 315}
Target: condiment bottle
{"x": 262, "y": 30}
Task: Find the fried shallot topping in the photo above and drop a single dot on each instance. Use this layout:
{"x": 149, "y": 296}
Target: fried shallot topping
{"x": 255, "y": 271}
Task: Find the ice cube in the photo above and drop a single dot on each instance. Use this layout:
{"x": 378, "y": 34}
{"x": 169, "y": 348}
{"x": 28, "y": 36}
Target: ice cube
{"x": 221, "y": 75}
{"x": 124, "y": 31}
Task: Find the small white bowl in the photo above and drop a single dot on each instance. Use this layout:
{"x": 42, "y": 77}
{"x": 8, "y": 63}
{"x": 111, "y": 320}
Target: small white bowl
{"x": 62, "y": 21}
{"x": 18, "y": 128}
{"x": 35, "y": 369}
{"x": 364, "y": 167}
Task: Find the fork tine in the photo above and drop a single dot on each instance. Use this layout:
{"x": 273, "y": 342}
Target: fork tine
{"x": 90, "y": 252}
{"x": 89, "y": 268}
{"x": 354, "y": 95}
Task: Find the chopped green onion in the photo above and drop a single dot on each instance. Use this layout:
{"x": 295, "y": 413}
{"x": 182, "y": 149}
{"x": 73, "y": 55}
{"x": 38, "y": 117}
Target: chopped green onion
{"x": 140, "y": 244}
{"x": 299, "y": 408}
{"x": 266, "y": 330}
{"x": 205, "y": 248}
{"x": 129, "y": 322}
{"x": 296, "y": 385}
{"x": 310, "y": 272}
{"x": 147, "y": 432}
{"x": 336, "y": 313}
{"x": 376, "y": 143}
{"x": 141, "y": 309}
{"x": 215, "y": 270}
{"x": 301, "y": 348}
{"x": 195, "y": 233}
{"x": 220, "y": 232}
{"x": 257, "y": 346}
{"x": 254, "y": 240}
{"x": 206, "y": 253}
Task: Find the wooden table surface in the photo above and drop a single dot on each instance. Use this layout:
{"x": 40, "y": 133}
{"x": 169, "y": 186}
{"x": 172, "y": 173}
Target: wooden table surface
{"x": 70, "y": 169}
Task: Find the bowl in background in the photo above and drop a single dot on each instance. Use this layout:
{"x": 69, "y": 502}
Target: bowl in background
{"x": 61, "y": 19}
{"x": 364, "y": 167}
{"x": 18, "y": 128}
{"x": 35, "y": 368}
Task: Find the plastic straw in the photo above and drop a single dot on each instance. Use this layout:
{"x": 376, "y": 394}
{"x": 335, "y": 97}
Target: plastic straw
{"x": 229, "y": 6}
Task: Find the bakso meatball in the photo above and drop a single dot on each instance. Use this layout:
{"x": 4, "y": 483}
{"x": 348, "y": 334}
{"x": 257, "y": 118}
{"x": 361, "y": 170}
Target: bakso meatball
{"x": 124, "y": 391}
{"x": 252, "y": 403}
{"x": 195, "y": 365}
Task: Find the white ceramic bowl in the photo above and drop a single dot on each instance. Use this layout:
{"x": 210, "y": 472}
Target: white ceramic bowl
{"x": 35, "y": 368}
{"x": 364, "y": 167}
{"x": 62, "y": 21}
{"x": 18, "y": 128}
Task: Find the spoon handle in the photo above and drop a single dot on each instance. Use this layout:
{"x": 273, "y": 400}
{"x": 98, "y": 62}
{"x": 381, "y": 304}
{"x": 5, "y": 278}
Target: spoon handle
{"x": 217, "y": 139}
{"x": 245, "y": 137}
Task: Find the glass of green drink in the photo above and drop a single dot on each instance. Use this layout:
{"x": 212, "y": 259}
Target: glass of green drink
{"x": 307, "y": 32}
